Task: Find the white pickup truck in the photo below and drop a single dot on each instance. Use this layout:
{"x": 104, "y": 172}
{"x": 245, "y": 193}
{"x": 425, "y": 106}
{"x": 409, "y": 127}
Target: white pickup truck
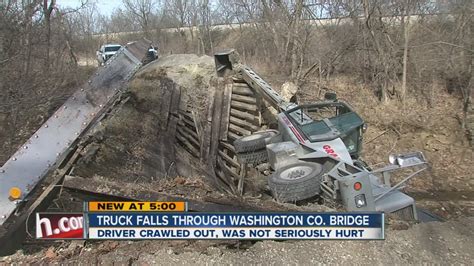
{"x": 106, "y": 51}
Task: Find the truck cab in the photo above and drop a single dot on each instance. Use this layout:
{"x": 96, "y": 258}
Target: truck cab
{"x": 329, "y": 120}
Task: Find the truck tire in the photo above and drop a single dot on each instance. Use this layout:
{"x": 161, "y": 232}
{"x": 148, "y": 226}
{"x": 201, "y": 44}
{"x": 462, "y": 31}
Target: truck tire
{"x": 254, "y": 157}
{"x": 296, "y": 181}
{"x": 254, "y": 142}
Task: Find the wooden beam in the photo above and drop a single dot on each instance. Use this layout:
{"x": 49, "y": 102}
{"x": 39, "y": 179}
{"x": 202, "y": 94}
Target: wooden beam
{"x": 184, "y": 112}
{"x": 188, "y": 120}
{"x": 228, "y": 159}
{"x": 197, "y": 125}
{"x": 242, "y": 174}
{"x": 243, "y": 123}
{"x": 189, "y": 135}
{"x": 227, "y": 186}
{"x": 238, "y": 80}
{"x": 189, "y": 131}
{"x": 237, "y": 129}
{"x": 227, "y": 146}
{"x": 228, "y": 170}
{"x": 245, "y": 99}
{"x": 175, "y": 100}
{"x": 225, "y": 112}
{"x": 241, "y": 84}
{"x": 206, "y": 135}
{"x": 242, "y": 90}
{"x": 224, "y": 169}
{"x": 244, "y": 106}
{"x": 167, "y": 88}
{"x": 243, "y": 115}
{"x": 216, "y": 120}
{"x": 187, "y": 144}
{"x": 232, "y": 135}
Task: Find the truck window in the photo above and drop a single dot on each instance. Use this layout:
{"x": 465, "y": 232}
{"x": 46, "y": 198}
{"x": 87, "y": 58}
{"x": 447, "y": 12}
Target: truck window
{"x": 112, "y": 48}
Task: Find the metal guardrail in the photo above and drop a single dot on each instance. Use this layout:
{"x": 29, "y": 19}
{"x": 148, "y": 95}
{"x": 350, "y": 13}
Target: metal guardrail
{"x": 39, "y": 155}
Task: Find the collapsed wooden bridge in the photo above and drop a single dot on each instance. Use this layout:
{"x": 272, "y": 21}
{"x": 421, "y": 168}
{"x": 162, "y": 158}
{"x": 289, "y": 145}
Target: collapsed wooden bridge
{"x": 234, "y": 110}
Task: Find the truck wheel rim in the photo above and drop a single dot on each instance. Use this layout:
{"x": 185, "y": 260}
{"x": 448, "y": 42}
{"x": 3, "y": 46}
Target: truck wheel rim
{"x": 296, "y": 172}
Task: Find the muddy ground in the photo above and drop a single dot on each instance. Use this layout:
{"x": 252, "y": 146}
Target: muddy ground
{"x": 126, "y": 150}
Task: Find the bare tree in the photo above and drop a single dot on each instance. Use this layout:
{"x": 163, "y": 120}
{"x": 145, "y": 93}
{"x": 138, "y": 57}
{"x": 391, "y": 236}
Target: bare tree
{"x": 180, "y": 13}
{"x": 48, "y": 7}
{"x": 143, "y": 12}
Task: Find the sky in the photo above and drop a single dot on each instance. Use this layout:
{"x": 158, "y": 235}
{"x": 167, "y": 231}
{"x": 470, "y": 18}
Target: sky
{"x": 105, "y": 7}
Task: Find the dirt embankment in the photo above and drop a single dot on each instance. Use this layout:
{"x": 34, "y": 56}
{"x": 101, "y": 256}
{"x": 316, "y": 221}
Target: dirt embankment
{"x": 136, "y": 143}
{"x": 440, "y": 243}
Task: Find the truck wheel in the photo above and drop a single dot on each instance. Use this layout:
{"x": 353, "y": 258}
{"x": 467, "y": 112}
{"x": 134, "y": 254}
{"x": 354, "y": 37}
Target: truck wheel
{"x": 296, "y": 181}
{"x": 254, "y": 142}
{"x": 255, "y": 157}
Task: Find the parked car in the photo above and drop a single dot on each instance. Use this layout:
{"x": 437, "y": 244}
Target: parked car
{"x": 106, "y": 51}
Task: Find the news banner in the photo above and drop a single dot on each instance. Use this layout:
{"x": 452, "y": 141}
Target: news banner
{"x": 171, "y": 220}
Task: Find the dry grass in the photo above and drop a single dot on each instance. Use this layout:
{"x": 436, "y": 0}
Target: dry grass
{"x": 396, "y": 127}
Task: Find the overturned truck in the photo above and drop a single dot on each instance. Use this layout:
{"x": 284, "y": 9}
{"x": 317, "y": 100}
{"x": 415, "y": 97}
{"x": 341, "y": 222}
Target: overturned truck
{"x": 314, "y": 151}
{"x": 185, "y": 115}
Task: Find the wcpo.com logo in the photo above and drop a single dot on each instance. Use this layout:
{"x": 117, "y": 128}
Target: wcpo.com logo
{"x": 59, "y": 225}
